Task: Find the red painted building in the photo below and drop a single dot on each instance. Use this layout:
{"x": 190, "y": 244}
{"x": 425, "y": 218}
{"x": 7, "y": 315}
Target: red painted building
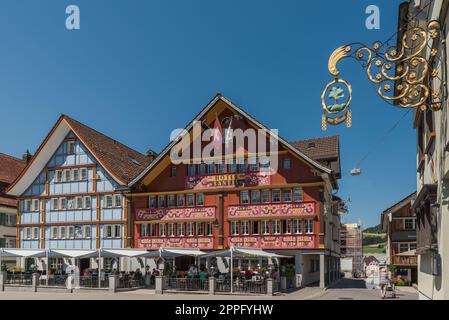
{"x": 212, "y": 204}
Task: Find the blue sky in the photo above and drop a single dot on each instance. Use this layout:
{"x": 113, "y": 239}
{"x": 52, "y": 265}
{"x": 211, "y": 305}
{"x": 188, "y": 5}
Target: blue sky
{"x": 138, "y": 69}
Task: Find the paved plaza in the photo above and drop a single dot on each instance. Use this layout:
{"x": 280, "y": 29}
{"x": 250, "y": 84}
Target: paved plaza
{"x": 345, "y": 289}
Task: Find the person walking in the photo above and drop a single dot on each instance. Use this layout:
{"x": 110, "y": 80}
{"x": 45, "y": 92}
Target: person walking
{"x": 384, "y": 282}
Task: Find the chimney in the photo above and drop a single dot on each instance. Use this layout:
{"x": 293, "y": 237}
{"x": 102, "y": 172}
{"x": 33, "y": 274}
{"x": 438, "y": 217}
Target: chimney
{"x": 27, "y": 156}
{"x": 151, "y": 155}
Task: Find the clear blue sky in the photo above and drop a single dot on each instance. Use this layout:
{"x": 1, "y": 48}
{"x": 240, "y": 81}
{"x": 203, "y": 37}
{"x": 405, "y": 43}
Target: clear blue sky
{"x": 138, "y": 69}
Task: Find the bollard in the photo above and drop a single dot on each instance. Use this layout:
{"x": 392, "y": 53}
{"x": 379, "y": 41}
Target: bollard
{"x": 269, "y": 286}
{"x": 283, "y": 283}
{"x": 35, "y": 281}
{"x": 3, "y": 278}
{"x": 113, "y": 283}
{"x": 159, "y": 284}
{"x": 212, "y": 285}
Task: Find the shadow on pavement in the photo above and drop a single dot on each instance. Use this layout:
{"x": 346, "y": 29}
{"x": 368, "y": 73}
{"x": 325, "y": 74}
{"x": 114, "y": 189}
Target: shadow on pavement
{"x": 346, "y": 283}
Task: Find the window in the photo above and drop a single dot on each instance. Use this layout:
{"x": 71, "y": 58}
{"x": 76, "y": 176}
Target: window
{"x": 79, "y": 202}
{"x": 70, "y": 203}
{"x": 403, "y": 247}
{"x": 70, "y": 232}
{"x": 297, "y": 195}
{"x": 203, "y": 169}
{"x": 63, "y": 204}
{"x": 221, "y": 168}
{"x": 265, "y": 165}
{"x": 117, "y": 231}
{"x": 56, "y": 263}
{"x": 78, "y": 232}
{"x": 35, "y": 204}
{"x": 412, "y": 246}
{"x": 243, "y": 166}
{"x": 161, "y": 201}
{"x": 255, "y": 196}
{"x": 409, "y": 224}
{"x": 265, "y": 227}
{"x": 144, "y": 230}
{"x": 276, "y": 195}
{"x": 54, "y": 233}
{"x": 58, "y": 176}
{"x": 286, "y": 227}
{"x": 162, "y": 230}
{"x": 287, "y": 163}
{"x": 173, "y": 172}
{"x": 152, "y": 202}
{"x": 87, "y": 202}
{"x": 108, "y": 201}
{"x": 200, "y": 199}
{"x": 117, "y": 200}
{"x": 86, "y": 232}
{"x": 27, "y": 232}
{"x": 70, "y": 147}
{"x": 76, "y": 175}
{"x": 35, "y": 233}
{"x": 253, "y": 165}
{"x": 180, "y": 200}
{"x": 308, "y": 226}
{"x": 171, "y": 230}
{"x": 67, "y": 175}
{"x": 108, "y": 231}
{"x": 62, "y": 232}
{"x": 190, "y": 200}
{"x": 199, "y": 229}
{"x": 244, "y": 225}
{"x": 234, "y": 228}
{"x": 244, "y": 199}
{"x": 297, "y": 226}
{"x": 265, "y": 196}
{"x": 27, "y": 205}
{"x": 208, "y": 229}
{"x": 192, "y": 169}
{"x": 275, "y": 227}
{"x": 287, "y": 195}
{"x": 171, "y": 200}
{"x": 255, "y": 227}
{"x": 211, "y": 168}
{"x": 153, "y": 230}
{"x": 189, "y": 229}
{"x": 180, "y": 229}
{"x": 232, "y": 167}
{"x": 83, "y": 174}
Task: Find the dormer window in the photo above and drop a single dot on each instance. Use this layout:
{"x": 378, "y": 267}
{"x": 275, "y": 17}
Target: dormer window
{"x": 287, "y": 163}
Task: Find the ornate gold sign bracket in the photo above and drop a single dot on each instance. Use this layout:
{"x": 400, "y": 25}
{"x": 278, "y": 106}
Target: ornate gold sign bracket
{"x": 403, "y": 74}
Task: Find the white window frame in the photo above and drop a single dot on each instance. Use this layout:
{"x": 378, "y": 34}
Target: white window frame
{"x": 108, "y": 201}
{"x": 200, "y": 196}
{"x": 79, "y": 203}
{"x": 83, "y": 174}
{"x": 87, "y": 202}
{"x": 54, "y": 232}
{"x": 162, "y": 231}
{"x": 67, "y": 178}
{"x": 59, "y": 176}
{"x": 265, "y": 227}
{"x": 308, "y": 226}
{"x": 35, "y": 233}
{"x": 272, "y": 195}
{"x": 76, "y": 174}
{"x": 144, "y": 230}
{"x": 170, "y": 229}
{"x": 189, "y": 229}
{"x": 199, "y": 227}
{"x": 234, "y": 228}
{"x": 63, "y": 232}
{"x": 35, "y": 205}
{"x": 180, "y": 231}
{"x": 192, "y": 196}
{"x": 63, "y": 204}
{"x": 244, "y": 228}
{"x": 171, "y": 201}
{"x": 87, "y": 234}
{"x": 71, "y": 150}
{"x": 300, "y": 191}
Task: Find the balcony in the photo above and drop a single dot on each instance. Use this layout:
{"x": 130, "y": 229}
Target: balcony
{"x": 405, "y": 261}
{"x": 274, "y": 241}
{"x": 272, "y": 210}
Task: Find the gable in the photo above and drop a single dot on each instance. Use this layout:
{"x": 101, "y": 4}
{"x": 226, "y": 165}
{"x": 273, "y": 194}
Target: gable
{"x": 217, "y": 106}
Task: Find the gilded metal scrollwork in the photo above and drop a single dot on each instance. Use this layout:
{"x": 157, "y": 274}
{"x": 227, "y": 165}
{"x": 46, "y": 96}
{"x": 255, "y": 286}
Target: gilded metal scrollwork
{"x": 403, "y": 73}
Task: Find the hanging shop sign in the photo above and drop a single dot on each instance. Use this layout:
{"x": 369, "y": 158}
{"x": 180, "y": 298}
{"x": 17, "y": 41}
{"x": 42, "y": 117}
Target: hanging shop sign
{"x": 221, "y": 181}
{"x": 402, "y": 71}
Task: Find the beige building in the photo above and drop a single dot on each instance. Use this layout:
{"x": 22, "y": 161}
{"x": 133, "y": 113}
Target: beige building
{"x": 431, "y": 204}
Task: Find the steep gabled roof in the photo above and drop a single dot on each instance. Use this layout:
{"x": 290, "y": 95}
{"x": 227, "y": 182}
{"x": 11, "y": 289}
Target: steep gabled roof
{"x": 401, "y": 203}
{"x": 121, "y": 162}
{"x": 10, "y": 168}
{"x": 324, "y": 149}
{"x": 208, "y": 107}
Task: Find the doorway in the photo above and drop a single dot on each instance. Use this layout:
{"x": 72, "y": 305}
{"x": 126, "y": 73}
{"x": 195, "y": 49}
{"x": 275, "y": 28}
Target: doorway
{"x": 84, "y": 264}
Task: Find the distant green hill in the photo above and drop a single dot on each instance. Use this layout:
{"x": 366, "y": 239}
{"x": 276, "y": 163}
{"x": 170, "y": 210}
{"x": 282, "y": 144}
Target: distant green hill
{"x": 377, "y": 230}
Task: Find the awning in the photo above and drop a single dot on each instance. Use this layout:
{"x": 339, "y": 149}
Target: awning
{"x": 176, "y": 252}
{"x": 410, "y": 253}
{"x": 68, "y": 253}
{"x": 132, "y": 253}
{"x": 22, "y": 253}
{"x": 245, "y": 252}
